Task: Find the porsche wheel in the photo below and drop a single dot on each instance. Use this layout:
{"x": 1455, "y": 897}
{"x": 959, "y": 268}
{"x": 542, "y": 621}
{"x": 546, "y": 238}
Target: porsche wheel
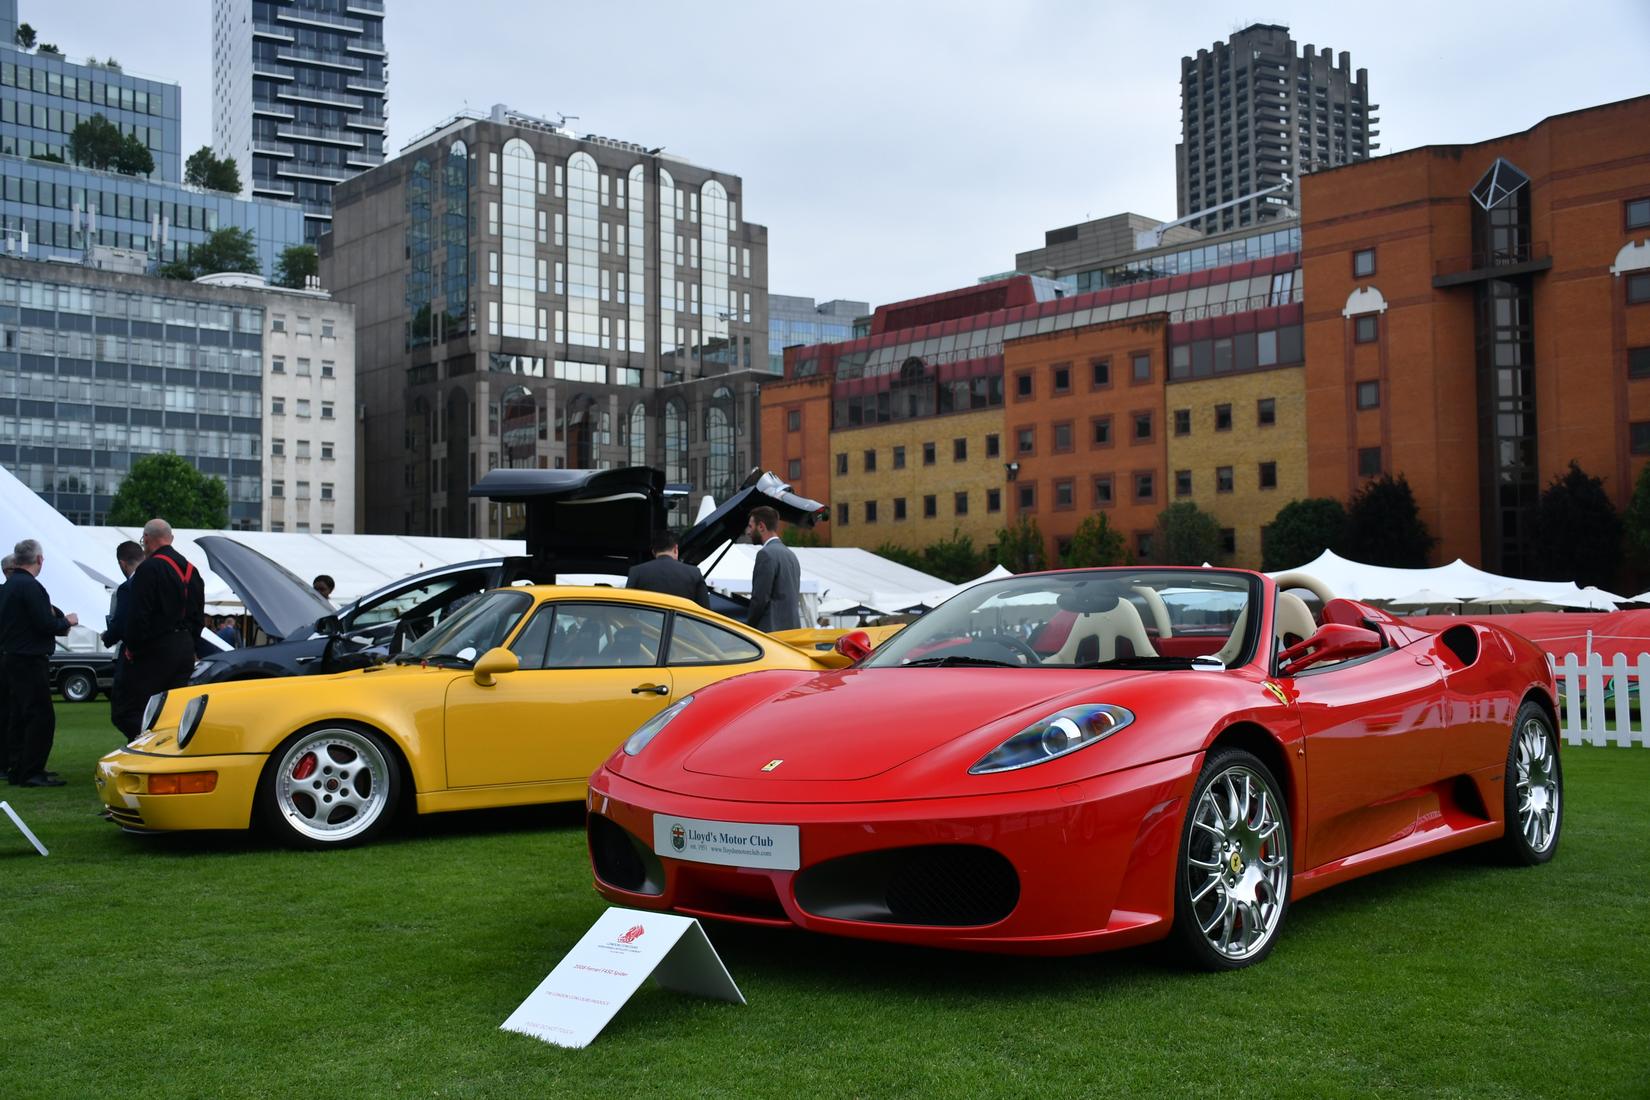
{"x": 79, "y": 687}
{"x": 329, "y": 787}
{"x": 1232, "y": 877}
{"x": 1534, "y": 789}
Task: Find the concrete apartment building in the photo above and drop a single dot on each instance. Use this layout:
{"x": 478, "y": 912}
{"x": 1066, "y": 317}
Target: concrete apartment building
{"x": 298, "y": 96}
{"x": 1256, "y": 115}
{"x": 616, "y": 314}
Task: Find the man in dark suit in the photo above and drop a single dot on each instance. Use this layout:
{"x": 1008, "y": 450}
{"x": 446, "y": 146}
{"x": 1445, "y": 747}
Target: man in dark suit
{"x": 6, "y": 751}
{"x": 668, "y": 574}
{"x": 29, "y": 629}
{"x": 125, "y": 712}
{"x": 776, "y": 582}
{"x": 166, "y": 611}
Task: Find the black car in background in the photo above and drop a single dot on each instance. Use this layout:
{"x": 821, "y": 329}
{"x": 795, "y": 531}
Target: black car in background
{"x": 78, "y": 676}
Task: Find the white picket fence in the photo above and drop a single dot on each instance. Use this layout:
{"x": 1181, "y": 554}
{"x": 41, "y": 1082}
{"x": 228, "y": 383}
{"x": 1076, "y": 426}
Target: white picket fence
{"x": 1585, "y": 716}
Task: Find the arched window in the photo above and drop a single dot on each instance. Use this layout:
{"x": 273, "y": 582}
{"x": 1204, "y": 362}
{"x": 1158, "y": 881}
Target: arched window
{"x": 520, "y": 301}
{"x": 715, "y": 271}
{"x": 669, "y": 346}
{"x": 638, "y": 435}
{"x": 456, "y": 237}
{"x": 636, "y": 255}
{"x": 419, "y": 286}
{"x": 583, "y": 261}
{"x": 719, "y": 434}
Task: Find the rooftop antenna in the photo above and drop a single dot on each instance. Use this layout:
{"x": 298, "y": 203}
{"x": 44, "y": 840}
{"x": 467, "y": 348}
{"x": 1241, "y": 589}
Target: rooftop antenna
{"x": 562, "y": 120}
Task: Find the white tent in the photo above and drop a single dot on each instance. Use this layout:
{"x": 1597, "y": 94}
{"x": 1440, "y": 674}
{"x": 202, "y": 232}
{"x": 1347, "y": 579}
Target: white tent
{"x": 841, "y": 576}
{"x": 77, "y": 575}
{"x": 1358, "y": 581}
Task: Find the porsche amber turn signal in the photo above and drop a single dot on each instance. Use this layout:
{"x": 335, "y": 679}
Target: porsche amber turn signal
{"x": 184, "y": 783}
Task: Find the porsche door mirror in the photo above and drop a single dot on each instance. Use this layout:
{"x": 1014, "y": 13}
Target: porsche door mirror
{"x": 854, "y": 645}
{"x": 495, "y": 662}
{"x": 1333, "y": 642}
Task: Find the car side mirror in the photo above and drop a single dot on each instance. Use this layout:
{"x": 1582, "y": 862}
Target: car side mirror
{"x": 327, "y": 624}
{"x": 1332, "y": 642}
{"x": 854, "y": 645}
{"x": 495, "y": 662}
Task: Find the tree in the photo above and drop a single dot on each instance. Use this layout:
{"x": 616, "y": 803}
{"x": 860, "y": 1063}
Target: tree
{"x": 297, "y": 263}
{"x": 96, "y": 143}
{"x": 1383, "y": 525}
{"x": 1636, "y": 520}
{"x": 953, "y": 559}
{"x": 1301, "y": 531}
{"x": 1187, "y": 535}
{"x": 911, "y": 559}
{"x": 1096, "y": 542}
{"x": 1576, "y": 535}
{"x": 167, "y": 486}
{"x": 1020, "y": 546}
{"x": 797, "y": 536}
{"x": 204, "y": 169}
{"x": 227, "y": 249}
{"x": 52, "y": 157}
{"x": 134, "y": 158}
{"x": 25, "y": 36}
{"x": 51, "y": 48}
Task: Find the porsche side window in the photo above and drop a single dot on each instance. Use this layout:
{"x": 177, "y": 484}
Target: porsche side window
{"x": 605, "y": 636}
{"x": 695, "y": 642}
{"x": 530, "y": 645}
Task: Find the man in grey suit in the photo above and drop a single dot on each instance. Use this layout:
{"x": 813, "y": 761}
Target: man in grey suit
{"x": 776, "y": 582}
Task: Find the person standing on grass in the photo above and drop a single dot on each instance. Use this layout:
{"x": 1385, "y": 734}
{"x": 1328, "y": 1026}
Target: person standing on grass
{"x": 776, "y": 580}
{"x": 667, "y": 573}
{"x": 29, "y": 629}
{"x": 167, "y": 612}
{"x": 7, "y": 564}
{"x": 122, "y": 712}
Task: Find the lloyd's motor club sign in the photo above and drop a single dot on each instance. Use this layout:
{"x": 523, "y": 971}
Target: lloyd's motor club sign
{"x": 606, "y": 968}
{"x": 729, "y": 843}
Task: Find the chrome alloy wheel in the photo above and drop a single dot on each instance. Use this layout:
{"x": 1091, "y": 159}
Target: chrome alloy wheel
{"x": 1535, "y": 779}
{"x": 1237, "y": 863}
{"x": 332, "y": 784}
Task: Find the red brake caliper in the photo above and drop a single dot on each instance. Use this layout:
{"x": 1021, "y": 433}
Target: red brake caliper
{"x": 306, "y": 766}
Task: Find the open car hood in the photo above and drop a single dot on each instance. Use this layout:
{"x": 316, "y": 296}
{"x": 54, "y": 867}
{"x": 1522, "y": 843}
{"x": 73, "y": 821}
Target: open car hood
{"x": 277, "y": 598}
{"x": 729, "y": 520}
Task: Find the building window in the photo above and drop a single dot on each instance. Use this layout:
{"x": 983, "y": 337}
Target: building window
{"x": 1022, "y": 385}
{"x": 327, "y": 410}
{"x": 277, "y": 322}
{"x": 277, "y": 447}
{"x": 842, "y": 514}
{"x": 326, "y": 328}
{"x": 1183, "y": 483}
{"x": 1369, "y": 461}
{"x": 899, "y": 508}
{"x": 1142, "y": 369}
{"x": 1228, "y": 540}
{"x": 927, "y": 454}
{"x": 1223, "y": 418}
{"x": 1223, "y": 479}
{"x": 326, "y": 451}
{"x": 326, "y": 490}
{"x": 993, "y": 446}
{"x": 1369, "y": 395}
{"x": 1062, "y": 436}
{"x": 1062, "y": 378}
{"x": 1065, "y": 493}
{"x": 959, "y": 502}
{"x": 1028, "y": 497}
{"x": 870, "y": 461}
{"x": 1363, "y": 263}
{"x": 1638, "y": 289}
{"x": 1099, "y": 373}
{"x": 277, "y": 365}
{"x": 1366, "y": 329}
{"x": 328, "y": 368}
{"x": 1638, "y": 213}
{"x": 842, "y": 463}
{"x": 1142, "y": 427}
{"x": 1143, "y": 545}
{"x": 793, "y": 469}
{"x": 1638, "y": 362}
{"x": 793, "y": 420}
{"x": 930, "y": 506}
{"x": 959, "y": 450}
{"x": 1183, "y": 422}
{"x": 870, "y": 511}
{"x": 899, "y": 458}
{"x": 1145, "y": 487}
{"x": 277, "y": 406}
{"x": 277, "y": 488}
{"x": 303, "y": 367}
{"x": 1266, "y": 411}
{"x": 993, "y": 500}
{"x": 1268, "y": 475}
{"x": 1100, "y": 431}
{"x": 1103, "y": 497}
{"x": 1026, "y": 440}
{"x": 303, "y": 490}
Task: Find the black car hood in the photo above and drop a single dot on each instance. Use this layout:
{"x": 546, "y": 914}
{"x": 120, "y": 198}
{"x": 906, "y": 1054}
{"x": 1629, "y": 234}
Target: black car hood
{"x": 276, "y": 597}
{"x": 729, "y": 520}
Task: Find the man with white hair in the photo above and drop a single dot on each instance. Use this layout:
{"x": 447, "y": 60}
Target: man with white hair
{"x": 29, "y": 628}
{"x": 167, "y": 608}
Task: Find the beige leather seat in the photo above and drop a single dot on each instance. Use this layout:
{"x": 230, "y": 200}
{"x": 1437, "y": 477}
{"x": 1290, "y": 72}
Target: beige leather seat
{"x": 1105, "y": 636}
{"x": 1293, "y": 621}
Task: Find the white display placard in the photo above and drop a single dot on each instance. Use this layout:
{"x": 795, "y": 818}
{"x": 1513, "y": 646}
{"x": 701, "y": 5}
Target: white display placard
{"x": 609, "y": 964}
{"x": 728, "y": 843}
{"x": 22, "y": 828}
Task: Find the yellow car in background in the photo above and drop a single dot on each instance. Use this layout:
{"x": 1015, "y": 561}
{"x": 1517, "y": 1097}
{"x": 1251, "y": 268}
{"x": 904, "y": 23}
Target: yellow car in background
{"x": 514, "y": 699}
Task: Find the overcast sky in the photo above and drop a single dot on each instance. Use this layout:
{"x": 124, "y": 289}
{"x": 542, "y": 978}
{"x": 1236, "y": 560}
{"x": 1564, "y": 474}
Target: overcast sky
{"x": 897, "y": 148}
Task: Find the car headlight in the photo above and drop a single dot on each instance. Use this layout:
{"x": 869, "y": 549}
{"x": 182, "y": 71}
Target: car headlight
{"x": 650, "y": 729}
{"x": 152, "y": 709}
{"x": 191, "y": 720}
{"x": 1060, "y": 733}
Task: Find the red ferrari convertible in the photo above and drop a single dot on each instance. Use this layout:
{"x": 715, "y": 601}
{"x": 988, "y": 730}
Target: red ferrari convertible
{"x": 1071, "y": 761}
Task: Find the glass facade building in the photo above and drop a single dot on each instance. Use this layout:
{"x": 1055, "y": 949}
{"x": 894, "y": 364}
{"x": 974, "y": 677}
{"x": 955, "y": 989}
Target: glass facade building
{"x": 98, "y": 369}
{"x": 794, "y": 321}
{"x": 298, "y": 96}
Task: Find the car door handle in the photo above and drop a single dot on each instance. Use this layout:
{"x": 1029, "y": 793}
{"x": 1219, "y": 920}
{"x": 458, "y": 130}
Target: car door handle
{"x": 651, "y": 689}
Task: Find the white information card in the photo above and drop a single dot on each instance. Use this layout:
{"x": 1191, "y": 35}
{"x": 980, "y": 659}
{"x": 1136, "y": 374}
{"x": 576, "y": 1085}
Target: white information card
{"x": 606, "y": 968}
{"x": 26, "y": 831}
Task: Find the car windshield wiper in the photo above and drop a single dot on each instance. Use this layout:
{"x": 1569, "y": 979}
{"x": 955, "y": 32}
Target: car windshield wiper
{"x": 956, "y": 660}
{"x": 439, "y": 660}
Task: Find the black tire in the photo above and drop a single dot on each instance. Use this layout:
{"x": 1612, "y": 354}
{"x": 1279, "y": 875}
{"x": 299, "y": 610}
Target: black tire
{"x": 351, "y": 767}
{"x": 78, "y": 686}
{"x": 1534, "y": 773}
{"x": 1231, "y": 879}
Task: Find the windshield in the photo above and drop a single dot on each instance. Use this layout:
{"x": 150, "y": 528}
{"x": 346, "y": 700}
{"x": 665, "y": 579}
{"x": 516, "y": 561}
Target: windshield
{"x": 481, "y": 625}
{"x": 1092, "y": 618}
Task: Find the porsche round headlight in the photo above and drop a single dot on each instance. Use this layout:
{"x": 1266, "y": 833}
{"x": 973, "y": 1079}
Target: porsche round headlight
{"x": 193, "y": 711}
{"x": 650, "y": 729}
{"x": 1062, "y": 732}
{"x": 152, "y": 709}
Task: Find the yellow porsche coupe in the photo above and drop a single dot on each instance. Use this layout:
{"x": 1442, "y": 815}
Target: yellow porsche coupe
{"x": 513, "y": 699}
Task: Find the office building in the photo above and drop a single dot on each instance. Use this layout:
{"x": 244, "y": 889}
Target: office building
{"x": 615, "y": 314}
{"x": 794, "y": 321}
{"x": 298, "y": 96}
{"x": 1256, "y": 116}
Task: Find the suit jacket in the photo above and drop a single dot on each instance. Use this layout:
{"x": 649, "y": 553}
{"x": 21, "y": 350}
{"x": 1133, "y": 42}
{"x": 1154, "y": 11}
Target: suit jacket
{"x": 29, "y": 624}
{"x": 167, "y": 596}
{"x": 776, "y": 589}
{"x": 673, "y": 578}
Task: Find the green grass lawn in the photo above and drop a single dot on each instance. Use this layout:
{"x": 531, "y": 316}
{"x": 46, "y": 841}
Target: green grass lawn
{"x": 220, "y": 966}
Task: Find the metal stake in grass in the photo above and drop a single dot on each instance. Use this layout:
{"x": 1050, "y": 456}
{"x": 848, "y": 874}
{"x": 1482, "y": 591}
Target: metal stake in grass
{"x": 22, "y": 828}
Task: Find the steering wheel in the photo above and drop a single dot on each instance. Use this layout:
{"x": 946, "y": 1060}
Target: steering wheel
{"x": 1296, "y": 579}
{"x": 1019, "y": 645}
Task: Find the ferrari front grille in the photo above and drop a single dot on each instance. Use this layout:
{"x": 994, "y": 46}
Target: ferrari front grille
{"x": 951, "y": 885}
